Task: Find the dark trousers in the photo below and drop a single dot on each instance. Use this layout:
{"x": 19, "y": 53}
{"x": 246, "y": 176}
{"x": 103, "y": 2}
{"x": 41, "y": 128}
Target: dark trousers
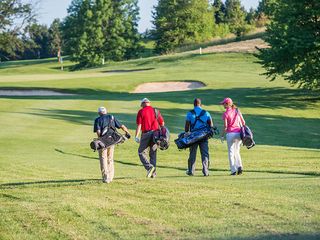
{"x": 147, "y": 144}
{"x": 204, "y": 150}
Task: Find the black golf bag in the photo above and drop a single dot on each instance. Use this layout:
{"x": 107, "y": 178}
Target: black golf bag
{"x": 247, "y": 137}
{"x": 162, "y": 138}
{"x": 109, "y": 137}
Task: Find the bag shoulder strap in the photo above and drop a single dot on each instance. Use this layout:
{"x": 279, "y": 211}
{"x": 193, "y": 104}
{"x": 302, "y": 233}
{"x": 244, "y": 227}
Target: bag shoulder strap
{"x": 202, "y": 113}
{"x": 156, "y": 114}
{"x": 238, "y": 116}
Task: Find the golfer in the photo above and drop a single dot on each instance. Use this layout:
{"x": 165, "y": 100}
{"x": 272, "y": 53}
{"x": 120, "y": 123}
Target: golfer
{"x": 198, "y": 118}
{"x": 232, "y": 126}
{"x": 148, "y": 120}
{"x": 106, "y": 154}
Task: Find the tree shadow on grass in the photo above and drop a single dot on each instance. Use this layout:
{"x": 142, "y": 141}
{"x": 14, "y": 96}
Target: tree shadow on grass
{"x": 118, "y": 161}
{"x": 316, "y": 174}
{"x": 270, "y": 130}
{"x": 74, "y": 182}
{"x": 283, "y": 236}
{"x": 128, "y": 70}
{"x": 24, "y": 63}
{"x": 269, "y": 98}
{"x": 57, "y": 183}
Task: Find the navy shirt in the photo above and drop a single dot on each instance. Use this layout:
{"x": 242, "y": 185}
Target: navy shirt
{"x": 192, "y": 118}
{"x": 103, "y": 121}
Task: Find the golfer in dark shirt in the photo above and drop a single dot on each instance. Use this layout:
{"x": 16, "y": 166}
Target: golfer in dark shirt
{"x": 106, "y": 154}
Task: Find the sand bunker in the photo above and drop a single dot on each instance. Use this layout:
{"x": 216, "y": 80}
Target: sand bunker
{"x": 32, "y": 93}
{"x": 167, "y": 87}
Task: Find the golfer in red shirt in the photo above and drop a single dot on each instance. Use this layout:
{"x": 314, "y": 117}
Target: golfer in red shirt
{"x": 147, "y": 122}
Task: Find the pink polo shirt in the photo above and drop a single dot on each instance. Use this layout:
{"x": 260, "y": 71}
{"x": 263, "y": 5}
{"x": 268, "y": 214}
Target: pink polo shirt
{"x": 233, "y": 120}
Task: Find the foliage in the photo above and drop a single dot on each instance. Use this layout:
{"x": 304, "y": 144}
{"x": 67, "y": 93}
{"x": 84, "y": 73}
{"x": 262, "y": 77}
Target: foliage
{"x": 55, "y": 37}
{"x": 37, "y": 42}
{"x": 219, "y": 11}
{"x": 235, "y": 17}
{"x": 294, "y": 39}
{"x": 100, "y": 30}
{"x": 177, "y": 22}
{"x": 14, "y": 16}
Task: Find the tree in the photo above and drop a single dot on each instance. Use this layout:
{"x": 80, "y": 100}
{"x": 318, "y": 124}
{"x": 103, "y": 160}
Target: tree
{"x": 55, "y": 37}
{"x": 15, "y": 15}
{"x": 99, "y": 30}
{"x": 263, "y": 11}
{"x": 131, "y": 34}
{"x": 219, "y": 11}
{"x": 251, "y": 16}
{"x": 37, "y": 42}
{"x": 294, "y": 39}
{"x": 235, "y": 17}
{"x": 179, "y": 21}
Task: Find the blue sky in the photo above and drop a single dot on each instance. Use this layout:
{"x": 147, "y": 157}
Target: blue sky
{"x": 51, "y": 9}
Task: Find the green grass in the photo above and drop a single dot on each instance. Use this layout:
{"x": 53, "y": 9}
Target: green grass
{"x": 50, "y": 184}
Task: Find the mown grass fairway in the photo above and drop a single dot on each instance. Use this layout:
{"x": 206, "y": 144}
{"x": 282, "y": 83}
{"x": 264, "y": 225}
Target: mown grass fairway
{"x": 50, "y": 185}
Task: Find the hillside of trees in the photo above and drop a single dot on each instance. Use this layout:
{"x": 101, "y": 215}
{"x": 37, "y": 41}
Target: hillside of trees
{"x": 96, "y": 31}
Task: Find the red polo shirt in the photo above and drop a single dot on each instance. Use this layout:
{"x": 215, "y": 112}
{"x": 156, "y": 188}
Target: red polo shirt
{"x": 147, "y": 118}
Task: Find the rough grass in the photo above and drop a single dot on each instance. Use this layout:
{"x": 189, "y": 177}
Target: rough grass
{"x": 50, "y": 184}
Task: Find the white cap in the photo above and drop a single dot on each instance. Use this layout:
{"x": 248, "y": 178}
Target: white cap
{"x": 102, "y": 110}
{"x": 145, "y": 100}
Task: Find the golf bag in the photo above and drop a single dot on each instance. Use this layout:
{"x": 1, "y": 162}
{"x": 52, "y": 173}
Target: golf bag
{"x": 247, "y": 137}
{"x": 162, "y": 138}
{"x": 186, "y": 140}
{"x": 109, "y": 137}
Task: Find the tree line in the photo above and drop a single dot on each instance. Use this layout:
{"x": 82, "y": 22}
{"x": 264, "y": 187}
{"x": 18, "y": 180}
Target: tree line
{"x": 179, "y": 22}
{"x": 95, "y": 31}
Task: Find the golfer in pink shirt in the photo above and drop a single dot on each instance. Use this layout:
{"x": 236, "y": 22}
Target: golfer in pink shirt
{"x": 233, "y": 121}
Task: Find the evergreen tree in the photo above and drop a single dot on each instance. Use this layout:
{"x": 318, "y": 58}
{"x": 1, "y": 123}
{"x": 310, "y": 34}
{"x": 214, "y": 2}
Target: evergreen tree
{"x": 179, "y": 21}
{"x": 294, "y": 38}
{"x": 101, "y": 30}
{"x": 219, "y": 11}
{"x": 235, "y": 17}
{"x": 132, "y": 36}
{"x": 251, "y": 17}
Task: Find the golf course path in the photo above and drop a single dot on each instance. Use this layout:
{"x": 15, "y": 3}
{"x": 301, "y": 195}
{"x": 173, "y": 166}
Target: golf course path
{"x": 167, "y": 87}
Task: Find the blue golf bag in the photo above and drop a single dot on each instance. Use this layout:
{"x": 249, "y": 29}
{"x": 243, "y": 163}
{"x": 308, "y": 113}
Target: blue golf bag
{"x": 185, "y": 140}
{"x": 247, "y": 137}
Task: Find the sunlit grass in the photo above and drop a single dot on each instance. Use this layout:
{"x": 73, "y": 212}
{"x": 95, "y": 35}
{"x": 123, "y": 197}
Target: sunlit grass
{"x": 50, "y": 179}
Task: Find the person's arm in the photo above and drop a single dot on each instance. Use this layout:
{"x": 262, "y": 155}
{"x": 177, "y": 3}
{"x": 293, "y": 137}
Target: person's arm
{"x": 96, "y": 128}
{"x": 187, "y": 126}
{"x": 138, "y": 129}
{"x": 125, "y": 129}
{"x": 210, "y": 121}
{"x": 225, "y": 127}
{"x": 98, "y": 133}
